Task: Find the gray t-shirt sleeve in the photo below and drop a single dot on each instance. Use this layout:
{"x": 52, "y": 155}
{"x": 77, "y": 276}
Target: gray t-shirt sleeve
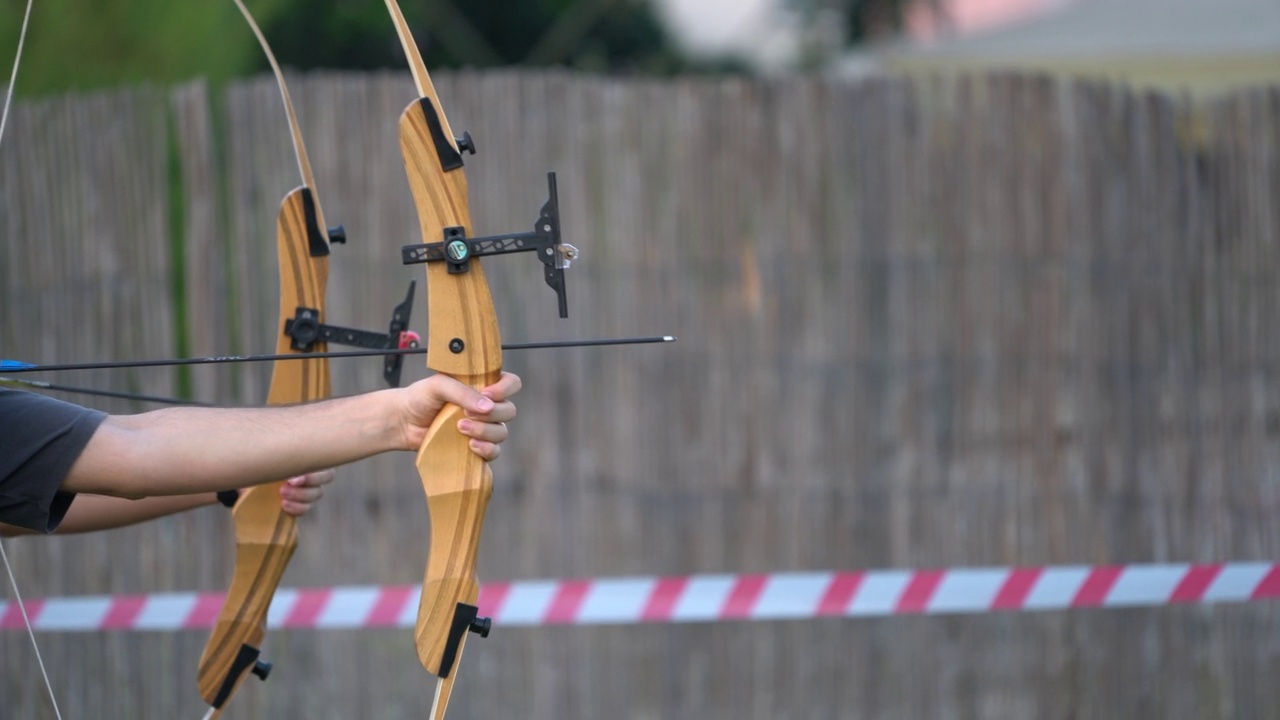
{"x": 40, "y": 439}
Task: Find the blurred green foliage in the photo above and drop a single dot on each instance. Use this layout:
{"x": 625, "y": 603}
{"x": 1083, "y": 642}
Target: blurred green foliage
{"x": 597, "y": 35}
{"x": 82, "y": 44}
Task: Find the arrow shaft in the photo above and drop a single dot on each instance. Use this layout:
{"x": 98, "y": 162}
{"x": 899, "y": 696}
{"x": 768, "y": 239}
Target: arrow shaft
{"x": 14, "y": 366}
{"x": 40, "y": 385}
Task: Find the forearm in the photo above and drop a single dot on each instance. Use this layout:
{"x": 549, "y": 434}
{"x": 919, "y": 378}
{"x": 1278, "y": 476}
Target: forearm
{"x": 90, "y": 513}
{"x": 181, "y": 451}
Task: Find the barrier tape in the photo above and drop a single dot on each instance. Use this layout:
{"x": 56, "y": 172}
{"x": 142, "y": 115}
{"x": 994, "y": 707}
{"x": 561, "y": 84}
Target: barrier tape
{"x": 694, "y": 598}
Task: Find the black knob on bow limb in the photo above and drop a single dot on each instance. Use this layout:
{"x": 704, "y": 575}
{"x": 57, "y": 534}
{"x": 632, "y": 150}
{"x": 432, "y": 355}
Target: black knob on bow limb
{"x": 304, "y": 328}
{"x": 481, "y": 626}
{"x": 262, "y": 669}
{"x": 338, "y": 235}
{"x": 465, "y": 143}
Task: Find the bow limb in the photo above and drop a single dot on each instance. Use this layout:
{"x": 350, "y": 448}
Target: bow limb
{"x": 463, "y": 342}
{"x": 295, "y": 133}
{"x": 266, "y": 536}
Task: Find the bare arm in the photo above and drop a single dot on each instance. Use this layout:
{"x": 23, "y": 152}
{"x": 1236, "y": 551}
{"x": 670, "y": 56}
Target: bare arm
{"x": 91, "y": 513}
{"x": 185, "y": 451}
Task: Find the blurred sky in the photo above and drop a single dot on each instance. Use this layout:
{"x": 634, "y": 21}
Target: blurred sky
{"x": 763, "y": 31}
{"x": 1206, "y": 47}
{"x": 1120, "y": 27}
{"x": 964, "y": 17}
{"x": 767, "y": 33}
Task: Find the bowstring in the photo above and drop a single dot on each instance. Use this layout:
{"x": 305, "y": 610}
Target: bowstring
{"x": 13, "y": 581}
{"x": 31, "y": 633}
{"x": 13, "y": 76}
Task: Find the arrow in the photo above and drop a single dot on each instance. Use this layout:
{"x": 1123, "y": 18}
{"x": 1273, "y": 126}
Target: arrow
{"x": 40, "y": 385}
{"x": 18, "y": 366}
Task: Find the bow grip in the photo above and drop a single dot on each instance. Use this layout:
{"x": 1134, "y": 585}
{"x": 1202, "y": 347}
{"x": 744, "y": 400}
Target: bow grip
{"x": 458, "y": 484}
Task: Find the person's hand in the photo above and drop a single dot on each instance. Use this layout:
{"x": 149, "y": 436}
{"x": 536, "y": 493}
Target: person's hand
{"x": 298, "y": 494}
{"x": 485, "y": 411}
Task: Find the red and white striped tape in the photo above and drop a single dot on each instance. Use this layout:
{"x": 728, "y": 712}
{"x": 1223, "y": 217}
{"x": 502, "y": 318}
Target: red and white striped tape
{"x": 694, "y": 598}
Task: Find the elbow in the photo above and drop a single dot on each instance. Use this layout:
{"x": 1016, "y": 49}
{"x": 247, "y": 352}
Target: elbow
{"x": 111, "y": 463}
{"x": 130, "y": 494}
{"x": 8, "y": 531}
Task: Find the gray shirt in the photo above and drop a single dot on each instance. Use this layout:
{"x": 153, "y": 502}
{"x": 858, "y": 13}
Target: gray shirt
{"x": 40, "y": 439}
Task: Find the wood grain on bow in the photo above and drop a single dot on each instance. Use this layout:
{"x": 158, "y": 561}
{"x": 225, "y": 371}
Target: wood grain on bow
{"x": 266, "y": 536}
{"x": 463, "y": 342}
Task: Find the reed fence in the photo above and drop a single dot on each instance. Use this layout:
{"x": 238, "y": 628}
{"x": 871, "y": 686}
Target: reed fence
{"x": 999, "y": 320}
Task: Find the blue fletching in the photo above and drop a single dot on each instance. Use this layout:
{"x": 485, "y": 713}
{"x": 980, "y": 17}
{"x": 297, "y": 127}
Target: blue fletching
{"x": 14, "y": 365}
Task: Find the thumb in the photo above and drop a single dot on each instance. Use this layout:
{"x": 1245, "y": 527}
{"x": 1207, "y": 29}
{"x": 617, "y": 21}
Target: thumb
{"x": 439, "y": 389}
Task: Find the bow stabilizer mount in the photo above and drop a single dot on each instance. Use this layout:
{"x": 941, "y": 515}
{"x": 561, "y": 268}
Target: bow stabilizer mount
{"x": 306, "y": 330}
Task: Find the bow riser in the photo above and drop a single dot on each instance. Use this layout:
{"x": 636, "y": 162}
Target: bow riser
{"x": 266, "y": 536}
{"x": 304, "y": 277}
{"x": 454, "y": 301}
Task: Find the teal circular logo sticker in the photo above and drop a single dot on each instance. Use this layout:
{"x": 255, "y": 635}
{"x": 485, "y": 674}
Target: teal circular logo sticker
{"x": 458, "y": 250}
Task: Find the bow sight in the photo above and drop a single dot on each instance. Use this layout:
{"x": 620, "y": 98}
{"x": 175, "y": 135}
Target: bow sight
{"x": 457, "y": 249}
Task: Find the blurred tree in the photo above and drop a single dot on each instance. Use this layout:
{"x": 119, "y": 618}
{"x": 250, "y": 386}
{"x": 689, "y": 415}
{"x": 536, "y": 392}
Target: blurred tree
{"x": 80, "y": 44}
{"x": 598, "y": 35}
{"x": 91, "y": 43}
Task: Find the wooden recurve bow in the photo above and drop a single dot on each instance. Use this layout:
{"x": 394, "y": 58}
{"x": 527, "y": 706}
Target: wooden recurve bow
{"x": 463, "y": 341}
{"x": 266, "y": 536}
